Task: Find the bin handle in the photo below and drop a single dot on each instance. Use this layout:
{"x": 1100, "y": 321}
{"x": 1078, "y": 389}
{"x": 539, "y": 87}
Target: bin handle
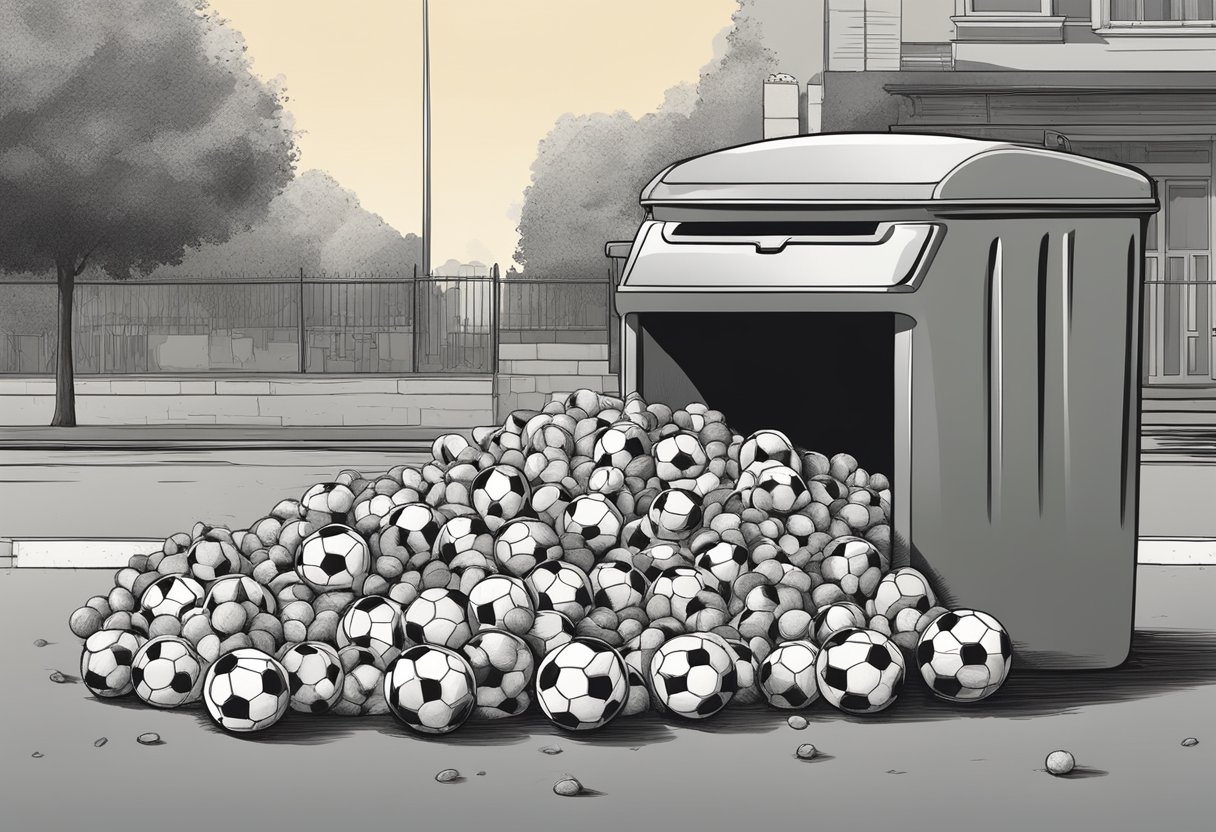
{"x": 776, "y": 243}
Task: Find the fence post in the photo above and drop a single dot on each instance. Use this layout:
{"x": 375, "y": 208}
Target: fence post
{"x": 300, "y": 346}
{"x": 414, "y": 320}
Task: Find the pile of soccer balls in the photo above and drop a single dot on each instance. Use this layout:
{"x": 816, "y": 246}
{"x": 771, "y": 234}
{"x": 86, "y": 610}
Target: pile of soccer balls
{"x": 604, "y": 557}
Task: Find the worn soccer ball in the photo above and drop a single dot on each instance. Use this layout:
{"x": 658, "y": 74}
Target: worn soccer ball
{"x": 500, "y": 493}
{"x": 606, "y": 481}
{"x": 853, "y": 564}
{"x": 503, "y": 667}
{"x": 675, "y": 589}
{"x": 167, "y": 672}
{"x": 246, "y": 690}
{"x": 694, "y": 675}
{"x": 860, "y": 671}
{"x": 765, "y": 445}
{"x": 362, "y": 683}
{"x": 675, "y": 513}
{"x": 842, "y": 615}
{"x": 724, "y": 561}
{"x": 501, "y": 602}
{"x": 439, "y": 617}
{"x": 171, "y": 595}
{"x": 550, "y": 630}
{"x": 523, "y": 543}
{"x": 328, "y": 497}
{"x": 964, "y": 655}
{"x": 903, "y": 589}
{"x": 333, "y": 557}
{"x": 211, "y": 559}
{"x": 617, "y": 585}
{"x": 447, "y": 447}
{"x": 620, "y": 444}
{"x": 557, "y": 585}
{"x": 549, "y": 502}
{"x": 461, "y": 536}
{"x": 431, "y": 689}
{"x": 373, "y": 622}
{"x": 773, "y": 488}
{"x": 637, "y": 534}
{"x": 409, "y": 531}
{"x": 582, "y": 685}
{"x": 659, "y": 556}
{"x": 787, "y": 675}
{"x": 314, "y": 676}
{"x": 105, "y": 662}
{"x": 239, "y": 589}
{"x": 594, "y": 519}
{"x": 679, "y": 457}
{"x": 747, "y": 672}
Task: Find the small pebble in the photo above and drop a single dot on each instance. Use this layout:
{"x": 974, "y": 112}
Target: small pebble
{"x": 1060, "y": 763}
{"x": 150, "y": 738}
{"x": 550, "y": 749}
{"x": 567, "y": 787}
{"x": 98, "y": 743}
{"x": 448, "y": 775}
{"x": 36, "y": 755}
{"x": 41, "y": 642}
{"x": 481, "y": 774}
{"x": 1190, "y": 741}
{"x": 797, "y": 722}
{"x": 806, "y": 751}
{"x": 58, "y": 678}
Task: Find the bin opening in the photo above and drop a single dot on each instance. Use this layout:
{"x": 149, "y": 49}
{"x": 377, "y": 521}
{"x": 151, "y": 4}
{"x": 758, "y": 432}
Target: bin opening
{"x": 774, "y": 229}
{"x": 827, "y": 380}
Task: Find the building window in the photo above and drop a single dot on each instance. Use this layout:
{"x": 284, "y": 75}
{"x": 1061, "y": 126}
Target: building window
{"x": 1162, "y": 12}
{"x": 1009, "y": 7}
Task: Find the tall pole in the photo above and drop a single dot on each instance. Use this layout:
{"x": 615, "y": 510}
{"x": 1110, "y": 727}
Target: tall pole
{"x": 426, "y": 141}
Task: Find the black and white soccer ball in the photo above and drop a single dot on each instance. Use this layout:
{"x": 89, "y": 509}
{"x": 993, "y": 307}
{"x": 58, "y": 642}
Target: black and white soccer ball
{"x": 447, "y": 447}
{"x": 167, "y": 672}
{"x": 501, "y": 602}
{"x": 239, "y": 589}
{"x": 724, "y": 561}
{"x": 503, "y": 667}
{"x": 853, "y": 564}
{"x": 500, "y": 493}
{"x": 765, "y": 445}
{"x": 773, "y": 488}
{"x": 171, "y": 595}
{"x": 438, "y": 616}
{"x": 549, "y": 502}
{"x": 594, "y": 519}
{"x": 211, "y": 559}
{"x": 430, "y": 689}
{"x": 582, "y": 685}
{"x": 408, "y": 533}
{"x": 105, "y": 662}
{"x": 841, "y": 615}
{"x": 747, "y": 672}
{"x": 787, "y": 675}
{"x": 679, "y": 457}
{"x": 523, "y": 543}
{"x": 246, "y": 690}
{"x": 860, "y": 671}
{"x": 964, "y": 655}
{"x": 373, "y": 622}
{"x": 677, "y": 587}
{"x": 328, "y": 497}
{"x": 550, "y": 630}
{"x": 637, "y": 534}
{"x": 606, "y": 480}
{"x": 620, "y": 444}
{"x": 660, "y": 556}
{"x": 694, "y": 676}
{"x": 617, "y": 585}
{"x": 675, "y": 513}
{"x": 462, "y": 536}
{"x": 314, "y": 676}
{"x": 903, "y": 589}
{"x": 332, "y": 558}
{"x": 561, "y": 586}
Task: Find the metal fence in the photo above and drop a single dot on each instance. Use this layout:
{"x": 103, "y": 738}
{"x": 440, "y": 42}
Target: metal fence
{"x": 302, "y": 325}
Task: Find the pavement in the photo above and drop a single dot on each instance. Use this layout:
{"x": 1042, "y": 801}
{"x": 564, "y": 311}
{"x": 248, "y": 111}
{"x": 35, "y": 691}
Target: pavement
{"x": 921, "y": 765}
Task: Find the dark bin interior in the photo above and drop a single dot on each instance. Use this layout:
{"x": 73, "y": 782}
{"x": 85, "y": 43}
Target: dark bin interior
{"x": 827, "y": 380}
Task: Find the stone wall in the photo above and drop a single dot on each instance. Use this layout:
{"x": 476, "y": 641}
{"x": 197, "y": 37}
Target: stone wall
{"x": 531, "y": 374}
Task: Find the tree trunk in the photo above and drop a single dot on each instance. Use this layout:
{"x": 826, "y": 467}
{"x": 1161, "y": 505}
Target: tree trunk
{"x": 65, "y": 377}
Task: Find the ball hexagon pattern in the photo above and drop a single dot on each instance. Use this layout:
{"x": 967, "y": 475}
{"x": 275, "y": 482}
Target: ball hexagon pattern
{"x": 246, "y": 690}
{"x": 167, "y": 672}
{"x": 211, "y": 559}
{"x": 675, "y": 513}
{"x": 617, "y": 585}
{"x": 409, "y": 531}
{"x": 430, "y": 689}
{"x": 620, "y": 444}
{"x": 171, "y": 595}
{"x": 557, "y": 585}
{"x": 314, "y": 676}
{"x": 463, "y": 535}
{"x": 903, "y": 589}
{"x": 678, "y": 457}
{"x": 964, "y": 655}
{"x": 766, "y": 445}
{"x": 594, "y": 520}
{"x": 373, "y": 622}
{"x": 333, "y": 557}
{"x": 500, "y": 493}
{"x": 841, "y": 615}
{"x": 787, "y": 676}
{"x": 105, "y": 662}
{"x": 523, "y": 543}
{"x": 239, "y": 589}
{"x": 501, "y": 602}
{"x": 440, "y": 617}
{"x": 860, "y": 671}
{"x": 582, "y": 685}
{"x": 694, "y": 675}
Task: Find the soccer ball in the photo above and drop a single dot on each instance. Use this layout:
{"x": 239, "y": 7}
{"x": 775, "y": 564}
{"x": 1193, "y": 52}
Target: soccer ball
{"x": 674, "y": 589}
{"x": 438, "y": 617}
{"x": 860, "y": 671}
{"x": 787, "y": 675}
{"x": 378, "y": 506}
{"x": 373, "y": 622}
{"x": 842, "y": 615}
{"x": 617, "y": 585}
{"x": 239, "y": 589}
{"x": 765, "y": 445}
{"x": 903, "y": 589}
{"x": 773, "y": 488}
{"x": 594, "y": 519}
{"x": 523, "y": 543}
{"x": 408, "y": 533}
{"x": 964, "y": 655}
{"x": 171, "y": 595}
{"x": 328, "y": 497}
{"x": 499, "y": 494}
{"x": 561, "y": 586}
{"x": 582, "y": 685}
{"x": 314, "y": 676}
{"x": 447, "y": 447}
{"x": 105, "y": 662}
{"x": 460, "y": 536}
{"x": 637, "y": 534}
{"x": 549, "y": 502}
{"x": 246, "y": 690}
{"x": 362, "y": 683}
{"x": 167, "y": 672}
{"x": 502, "y": 667}
{"x": 431, "y": 689}
{"x": 679, "y": 457}
{"x": 675, "y": 513}
{"x": 854, "y": 565}
{"x": 724, "y": 561}
{"x": 332, "y": 558}
{"x": 620, "y": 444}
{"x": 657, "y": 557}
{"x": 747, "y": 672}
{"x": 694, "y": 676}
{"x": 551, "y": 630}
{"x": 502, "y": 602}
{"x": 211, "y": 559}
{"x": 606, "y": 480}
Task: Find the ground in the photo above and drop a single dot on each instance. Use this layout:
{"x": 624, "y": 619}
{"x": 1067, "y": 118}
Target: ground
{"x": 921, "y": 765}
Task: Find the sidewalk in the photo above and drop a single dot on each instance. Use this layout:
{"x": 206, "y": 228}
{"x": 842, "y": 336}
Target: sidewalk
{"x": 213, "y": 437}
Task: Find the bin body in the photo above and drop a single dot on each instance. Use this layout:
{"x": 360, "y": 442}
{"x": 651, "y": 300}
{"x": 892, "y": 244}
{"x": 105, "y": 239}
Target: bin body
{"x": 978, "y": 344}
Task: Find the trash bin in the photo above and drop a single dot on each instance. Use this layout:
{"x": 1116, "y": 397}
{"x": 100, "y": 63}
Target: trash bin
{"x": 961, "y": 315}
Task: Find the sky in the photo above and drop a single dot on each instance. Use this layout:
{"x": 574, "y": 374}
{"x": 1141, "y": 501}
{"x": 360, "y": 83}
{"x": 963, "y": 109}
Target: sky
{"x": 502, "y": 72}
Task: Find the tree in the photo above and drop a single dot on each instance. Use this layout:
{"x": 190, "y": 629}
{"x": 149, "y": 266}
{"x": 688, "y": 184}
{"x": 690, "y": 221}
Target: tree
{"x": 590, "y": 169}
{"x": 129, "y": 130}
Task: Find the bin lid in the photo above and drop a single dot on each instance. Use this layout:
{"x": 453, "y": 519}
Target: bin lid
{"x": 875, "y": 169}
